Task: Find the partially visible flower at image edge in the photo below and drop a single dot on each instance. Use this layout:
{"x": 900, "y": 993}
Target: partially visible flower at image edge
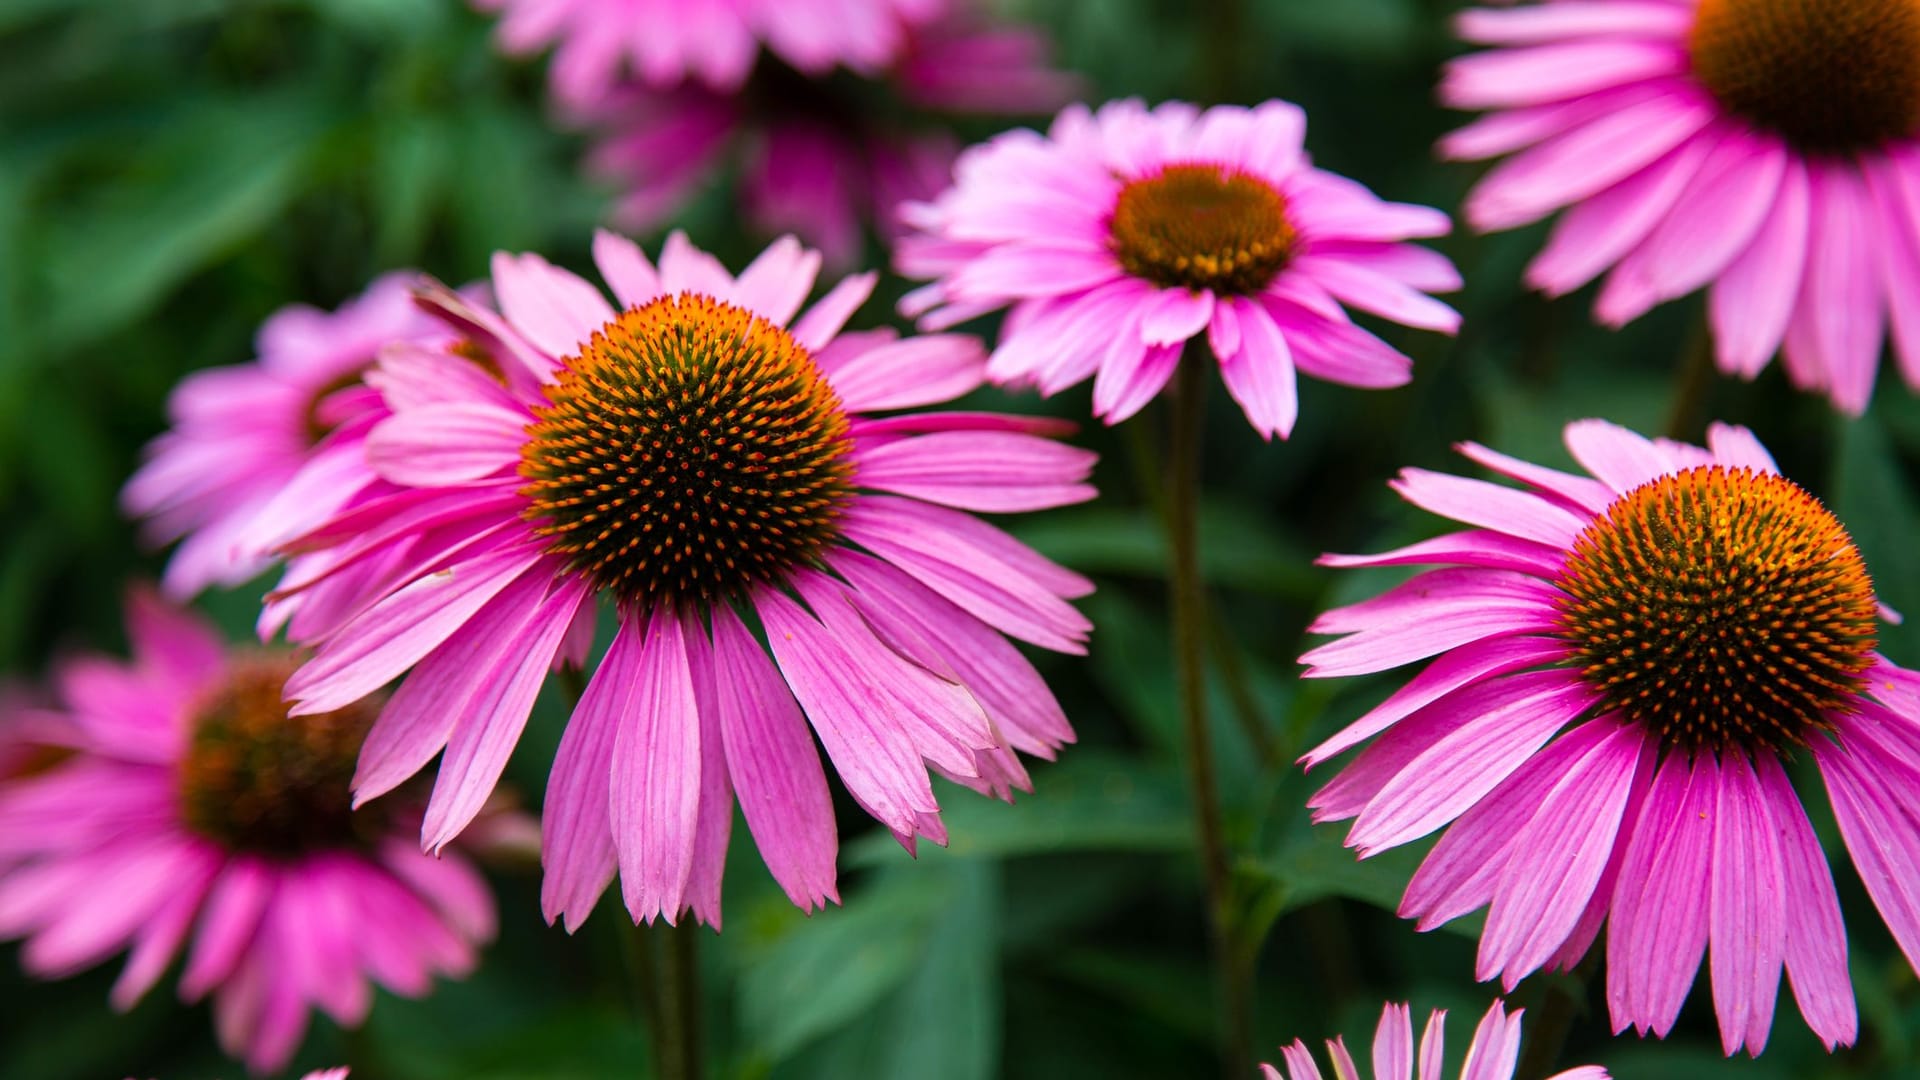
{"x": 1491, "y": 1056}
{"x": 187, "y": 813}
{"x": 1123, "y": 233}
{"x": 1765, "y": 150}
{"x": 706, "y": 457}
{"x": 1623, "y": 665}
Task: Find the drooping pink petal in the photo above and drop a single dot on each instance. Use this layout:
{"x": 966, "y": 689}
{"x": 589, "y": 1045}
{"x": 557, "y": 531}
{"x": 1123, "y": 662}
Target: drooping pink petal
{"x": 774, "y": 766}
{"x": 655, "y": 790}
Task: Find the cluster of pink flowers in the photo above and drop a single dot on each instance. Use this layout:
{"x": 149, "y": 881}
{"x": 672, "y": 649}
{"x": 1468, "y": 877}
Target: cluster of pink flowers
{"x": 782, "y": 515}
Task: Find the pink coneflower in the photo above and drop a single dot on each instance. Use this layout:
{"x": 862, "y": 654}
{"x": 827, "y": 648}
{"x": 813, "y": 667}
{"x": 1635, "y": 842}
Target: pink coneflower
{"x": 192, "y": 814}
{"x": 1764, "y": 147}
{"x": 1623, "y": 667}
{"x": 667, "y": 43}
{"x": 1491, "y": 1056}
{"x": 820, "y": 161}
{"x": 1121, "y": 234}
{"x": 263, "y": 450}
{"x": 707, "y": 462}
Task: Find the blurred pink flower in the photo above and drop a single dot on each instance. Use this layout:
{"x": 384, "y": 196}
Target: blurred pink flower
{"x": 1622, "y": 665}
{"x": 708, "y": 462}
{"x": 1491, "y": 1056}
{"x": 667, "y": 43}
{"x": 1122, "y": 233}
{"x": 191, "y": 814}
{"x": 811, "y": 159}
{"x": 1766, "y": 150}
{"x": 265, "y": 450}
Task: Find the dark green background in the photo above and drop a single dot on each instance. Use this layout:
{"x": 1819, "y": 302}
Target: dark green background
{"x": 171, "y": 171}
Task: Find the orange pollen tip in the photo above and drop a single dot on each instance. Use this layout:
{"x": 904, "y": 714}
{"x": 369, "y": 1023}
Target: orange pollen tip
{"x": 1720, "y": 607}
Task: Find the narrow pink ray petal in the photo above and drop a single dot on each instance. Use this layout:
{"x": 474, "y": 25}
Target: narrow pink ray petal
{"x": 1659, "y": 923}
{"x": 576, "y": 824}
{"x": 1747, "y": 905}
{"x": 1569, "y": 843}
{"x": 1457, "y": 771}
{"x": 1490, "y": 506}
{"x": 1393, "y": 1044}
{"x": 655, "y": 793}
{"x": 394, "y": 634}
{"x": 1752, "y": 301}
{"x": 774, "y": 766}
{"x": 490, "y": 720}
{"x": 1816, "y": 938}
{"x": 988, "y": 471}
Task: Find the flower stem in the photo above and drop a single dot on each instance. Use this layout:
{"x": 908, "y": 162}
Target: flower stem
{"x": 1693, "y": 385}
{"x": 676, "y": 1035}
{"x": 1189, "y": 641}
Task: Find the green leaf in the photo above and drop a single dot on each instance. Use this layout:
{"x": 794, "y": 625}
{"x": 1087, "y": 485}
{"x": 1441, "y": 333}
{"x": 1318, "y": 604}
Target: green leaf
{"x": 216, "y": 173}
{"x": 1089, "y": 802}
{"x": 945, "y": 1023}
{"x": 834, "y": 967}
{"x": 1240, "y": 549}
{"x": 1872, "y": 495}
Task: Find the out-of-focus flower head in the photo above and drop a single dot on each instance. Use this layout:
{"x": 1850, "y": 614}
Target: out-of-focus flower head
{"x": 820, "y": 153}
{"x": 261, "y": 451}
{"x": 1124, "y": 232}
{"x": 1622, "y": 665}
{"x": 715, "y": 463}
{"x": 1492, "y": 1055}
{"x": 187, "y": 813}
{"x": 1765, "y": 150}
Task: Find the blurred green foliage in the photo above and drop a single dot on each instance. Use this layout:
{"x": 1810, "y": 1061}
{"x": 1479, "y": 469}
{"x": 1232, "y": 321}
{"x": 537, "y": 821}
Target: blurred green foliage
{"x": 171, "y": 171}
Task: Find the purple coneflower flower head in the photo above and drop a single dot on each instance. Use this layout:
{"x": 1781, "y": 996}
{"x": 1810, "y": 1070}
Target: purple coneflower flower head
{"x": 185, "y": 812}
{"x": 1123, "y": 233}
{"x": 1622, "y": 667}
{"x": 1491, "y": 1056}
{"x": 261, "y": 451}
{"x": 665, "y": 43}
{"x": 1765, "y": 149}
{"x": 821, "y": 162}
{"x": 707, "y": 458}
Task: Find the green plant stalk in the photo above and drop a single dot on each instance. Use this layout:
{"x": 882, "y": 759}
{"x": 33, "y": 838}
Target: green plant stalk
{"x": 1190, "y": 631}
{"x": 678, "y": 1045}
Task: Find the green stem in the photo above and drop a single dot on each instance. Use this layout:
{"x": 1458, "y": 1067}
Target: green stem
{"x": 676, "y": 1037}
{"x": 1693, "y": 385}
{"x": 1549, "y": 1024}
{"x": 1189, "y": 640}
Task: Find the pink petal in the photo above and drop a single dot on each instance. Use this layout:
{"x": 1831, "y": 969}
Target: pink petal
{"x": 1558, "y": 859}
{"x": 1747, "y": 909}
{"x": 625, "y": 268}
{"x": 1659, "y": 925}
{"x": 576, "y": 823}
{"x": 394, "y": 634}
{"x": 554, "y": 309}
{"x": 1260, "y": 376}
{"x": 1816, "y": 938}
{"x": 1752, "y": 301}
{"x": 490, "y": 720}
{"x": 1455, "y": 772}
{"x": 774, "y": 766}
{"x": 655, "y": 793}
{"x": 997, "y": 472}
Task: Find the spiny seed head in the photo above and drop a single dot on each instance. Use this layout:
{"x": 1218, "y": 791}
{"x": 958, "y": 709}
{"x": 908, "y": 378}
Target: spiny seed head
{"x": 691, "y": 451}
{"x": 1720, "y": 607}
{"x": 257, "y": 780}
{"x": 1830, "y": 76}
{"x": 1202, "y": 226}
